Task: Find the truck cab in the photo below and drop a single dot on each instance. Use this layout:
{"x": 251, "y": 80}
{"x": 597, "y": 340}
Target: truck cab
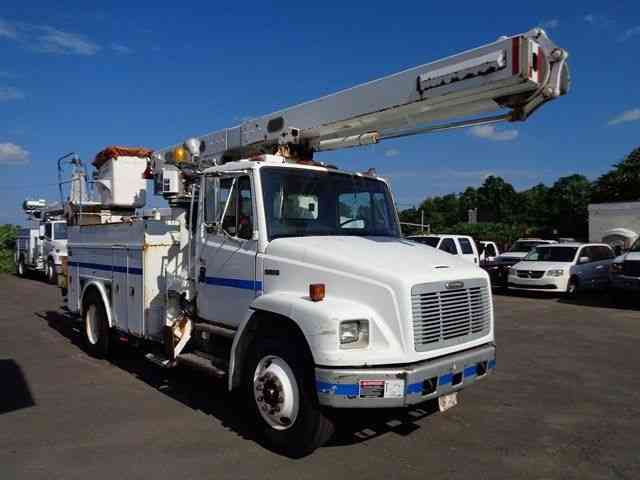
{"x": 462, "y": 245}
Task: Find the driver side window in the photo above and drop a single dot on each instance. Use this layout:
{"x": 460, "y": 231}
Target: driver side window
{"x": 238, "y": 217}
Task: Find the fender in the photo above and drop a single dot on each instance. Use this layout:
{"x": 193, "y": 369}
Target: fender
{"x": 318, "y": 322}
{"x": 103, "y": 294}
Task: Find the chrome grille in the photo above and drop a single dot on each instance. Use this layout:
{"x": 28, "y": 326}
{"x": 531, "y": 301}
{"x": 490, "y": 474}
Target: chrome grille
{"x": 444, "y": 317}
{"x": 530, "y": 273}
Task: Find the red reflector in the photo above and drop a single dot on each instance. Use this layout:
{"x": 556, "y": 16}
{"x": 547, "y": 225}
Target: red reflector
{"x": 316, "y": 291}
{"x": 515, "y": 56}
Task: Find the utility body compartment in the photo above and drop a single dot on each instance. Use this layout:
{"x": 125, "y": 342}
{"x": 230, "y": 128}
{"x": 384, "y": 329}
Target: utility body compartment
{"x": 130, "y": 262}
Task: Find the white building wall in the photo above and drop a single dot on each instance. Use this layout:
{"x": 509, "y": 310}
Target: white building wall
{"x": 604, "y": 217}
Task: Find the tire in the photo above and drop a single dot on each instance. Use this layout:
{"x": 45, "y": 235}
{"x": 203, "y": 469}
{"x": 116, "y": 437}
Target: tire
{"x": 21, "y": 270}
{"x": 280, "y": 376}
{"x": 96, "y": 328}
{"x": 52, "y": 275}
{"x": 573, "y": 287}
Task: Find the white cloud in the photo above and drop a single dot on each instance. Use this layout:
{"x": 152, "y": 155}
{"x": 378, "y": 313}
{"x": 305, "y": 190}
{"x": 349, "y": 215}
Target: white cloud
{"x": 629, "y": 33}
{"x": 12, "y": 154}
{"x": 392, "y": 152}
{"x": 119, "y": 48}
{"x": 46, "y": 39}
{"x": 7, "y": 29}
{"x": 632, "y": 115}
{"x": 489, "y": 132}
{"x": 51, "y": 40}
{"x": 10, "y": 93}
{"x": 550, "y": 24}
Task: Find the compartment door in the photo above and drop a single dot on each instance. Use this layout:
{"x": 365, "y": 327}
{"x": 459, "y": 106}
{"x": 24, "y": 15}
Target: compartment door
{"x": 119, "y": 288}
{"x": 135, "y": 292}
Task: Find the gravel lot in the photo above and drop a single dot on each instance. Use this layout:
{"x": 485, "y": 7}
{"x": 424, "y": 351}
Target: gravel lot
{"x": 564, "y": 403}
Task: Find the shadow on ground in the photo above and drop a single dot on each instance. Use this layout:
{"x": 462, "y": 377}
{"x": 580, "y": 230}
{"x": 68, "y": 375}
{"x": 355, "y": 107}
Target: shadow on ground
{"x": 210, "y": 396}
{"x": 14, "y": 391}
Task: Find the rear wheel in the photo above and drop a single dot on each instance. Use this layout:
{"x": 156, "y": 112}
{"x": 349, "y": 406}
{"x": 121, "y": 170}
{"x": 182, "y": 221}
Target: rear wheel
{"x": 52, "y": 276}
{"x": 20, "y": 268}
{"x": 96, "y": 327}
{"x": 280, "y": 387}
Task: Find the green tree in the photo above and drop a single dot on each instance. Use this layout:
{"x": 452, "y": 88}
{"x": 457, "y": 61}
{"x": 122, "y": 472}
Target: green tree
{"x": 497, "y": 200}
{"x": 568, "y": 202}
{"x": 535, "y": 203}
{"x": 8, "y": 234}
{"x": 622, "y": 183}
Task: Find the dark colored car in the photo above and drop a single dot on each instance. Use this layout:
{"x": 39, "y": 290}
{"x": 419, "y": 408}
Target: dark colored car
{"x": 498, "y": 270}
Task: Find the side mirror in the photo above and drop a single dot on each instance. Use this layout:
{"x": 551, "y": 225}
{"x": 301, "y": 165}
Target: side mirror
{"x": 584, "y": 260}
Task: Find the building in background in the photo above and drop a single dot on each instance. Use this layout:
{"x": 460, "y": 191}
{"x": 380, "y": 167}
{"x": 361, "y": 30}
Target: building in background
{"x": 617, "y": 224}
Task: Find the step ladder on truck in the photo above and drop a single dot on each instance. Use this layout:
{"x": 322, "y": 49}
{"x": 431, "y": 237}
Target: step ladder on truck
{"x": 288, "y": 277}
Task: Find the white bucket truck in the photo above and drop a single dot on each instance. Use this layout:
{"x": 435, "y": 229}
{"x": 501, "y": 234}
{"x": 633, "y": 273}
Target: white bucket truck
{"x": 42, "y": 246}
{"x": 289, "y": 277}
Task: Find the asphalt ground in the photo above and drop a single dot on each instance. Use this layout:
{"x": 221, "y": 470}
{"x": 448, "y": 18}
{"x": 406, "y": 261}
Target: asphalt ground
{"x": 563, "y": 403}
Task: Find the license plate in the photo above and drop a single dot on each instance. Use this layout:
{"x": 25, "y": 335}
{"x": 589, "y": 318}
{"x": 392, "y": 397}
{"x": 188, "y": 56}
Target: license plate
{"x": 445, "y": 402}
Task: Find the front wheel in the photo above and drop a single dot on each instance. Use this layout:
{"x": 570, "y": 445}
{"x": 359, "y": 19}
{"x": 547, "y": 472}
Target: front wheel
{"x": 572, "y": 287}
{"x": 279, "y": 383}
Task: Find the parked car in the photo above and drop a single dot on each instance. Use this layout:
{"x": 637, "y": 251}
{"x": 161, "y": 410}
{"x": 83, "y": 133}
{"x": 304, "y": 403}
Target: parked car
{"x": 625, "y": 271}
{"x": 565, "y": 267}
{"x": 462, "y": 245}
{"x": 498, "y": 270}
{"x": 523, "y": 246}
{"x": 489, "y": 251}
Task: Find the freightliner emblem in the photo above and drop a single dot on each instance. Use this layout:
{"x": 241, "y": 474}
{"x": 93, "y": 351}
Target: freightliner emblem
{"x": 454, "y": 285}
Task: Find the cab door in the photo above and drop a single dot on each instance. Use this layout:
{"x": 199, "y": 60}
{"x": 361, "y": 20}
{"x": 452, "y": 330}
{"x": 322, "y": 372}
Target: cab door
{"x": 227, "y": 282}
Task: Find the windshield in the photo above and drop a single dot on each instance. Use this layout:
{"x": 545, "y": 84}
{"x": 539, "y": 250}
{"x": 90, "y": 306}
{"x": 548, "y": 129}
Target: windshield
{"x": 60, "y": 231}
{"x": 524, "y": 246}
{"x": 552, "y": 254}
{"x": 636, "y": 246}
{"x": 431, "y": 241}
{"x": 303, "y": 203}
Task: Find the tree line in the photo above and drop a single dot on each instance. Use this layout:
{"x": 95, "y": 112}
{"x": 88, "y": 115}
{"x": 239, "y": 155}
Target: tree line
{"x": 505, "y": 214}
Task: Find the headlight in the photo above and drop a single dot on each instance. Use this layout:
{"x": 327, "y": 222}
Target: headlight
{"x": 616, "y": 267}
{"x": 555, "y": 273}
{"x": 354, "y": 334}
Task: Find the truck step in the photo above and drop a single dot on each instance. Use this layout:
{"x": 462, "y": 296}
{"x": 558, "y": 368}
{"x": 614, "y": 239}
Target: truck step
{"x": 215, "y": 366}
{"x": 215, "y": 330}
{"x": 160, "y": 360}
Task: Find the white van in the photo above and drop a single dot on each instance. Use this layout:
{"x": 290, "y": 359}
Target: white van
{"x": 563, "y": 267}
{"x": 461, "y": 245}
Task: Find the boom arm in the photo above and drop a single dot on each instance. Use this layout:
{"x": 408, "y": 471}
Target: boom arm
{"x": 509, "y": 78}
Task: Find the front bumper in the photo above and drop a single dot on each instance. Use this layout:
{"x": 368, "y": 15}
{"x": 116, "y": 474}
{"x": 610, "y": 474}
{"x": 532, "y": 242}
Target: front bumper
{"x": 558, "y": 284}
{"x": 403, "y": 385}
{"x": 624, "y": 282}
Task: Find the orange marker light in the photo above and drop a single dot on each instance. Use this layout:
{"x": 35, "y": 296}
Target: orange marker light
{"x": 316, "y": 291}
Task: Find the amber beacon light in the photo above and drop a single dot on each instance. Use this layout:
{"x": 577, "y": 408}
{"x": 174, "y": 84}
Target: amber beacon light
{"x": 316, "y": 291}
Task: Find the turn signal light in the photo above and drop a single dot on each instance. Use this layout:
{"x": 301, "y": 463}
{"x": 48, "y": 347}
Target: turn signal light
{"x": 316, "y": 291}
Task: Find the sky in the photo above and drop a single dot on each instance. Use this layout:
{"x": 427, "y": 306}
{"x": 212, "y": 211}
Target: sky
{"x": 78, "y": 76}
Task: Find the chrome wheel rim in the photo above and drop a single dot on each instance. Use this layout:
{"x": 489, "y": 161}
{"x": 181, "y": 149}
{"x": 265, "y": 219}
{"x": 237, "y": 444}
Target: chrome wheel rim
{"x": 92, "y": 325}
{"x": 275, "y": 391}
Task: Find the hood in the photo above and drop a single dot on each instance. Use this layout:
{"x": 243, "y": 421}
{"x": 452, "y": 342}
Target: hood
{"x": 377, "y": 257}
{"x": 629, "y": 256}
{"x": 508, "y": 255}
{"x": 538, "y": 266}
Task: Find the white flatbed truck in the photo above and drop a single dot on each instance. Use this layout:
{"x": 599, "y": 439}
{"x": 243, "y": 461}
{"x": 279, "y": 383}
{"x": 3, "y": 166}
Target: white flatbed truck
{"x": 42, "y": 246}
{"x": 289, "y": 277}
